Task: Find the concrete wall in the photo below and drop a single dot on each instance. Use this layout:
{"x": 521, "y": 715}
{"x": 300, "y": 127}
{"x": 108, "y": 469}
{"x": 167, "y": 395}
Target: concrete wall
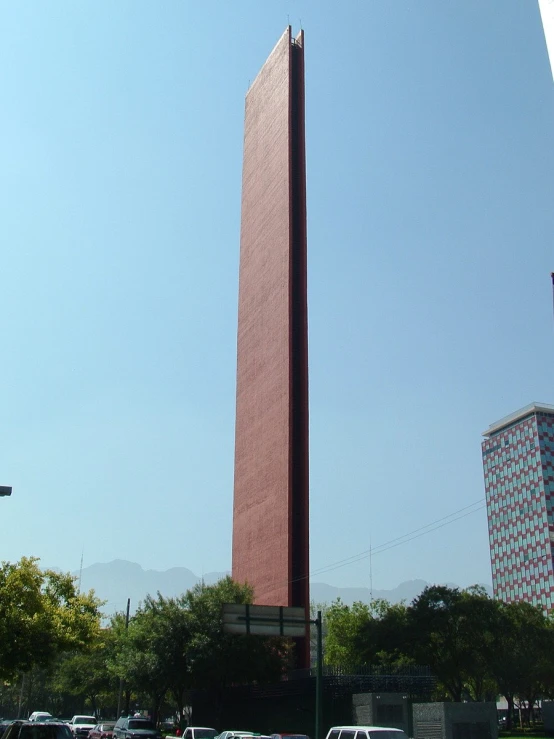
{"x": 382, "y": 709}
{"x": 547, "y": 711}
{"x": 454, "y": 721}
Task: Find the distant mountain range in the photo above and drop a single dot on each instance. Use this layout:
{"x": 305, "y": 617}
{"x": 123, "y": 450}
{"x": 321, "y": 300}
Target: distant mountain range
{"x": 115, "y": 582}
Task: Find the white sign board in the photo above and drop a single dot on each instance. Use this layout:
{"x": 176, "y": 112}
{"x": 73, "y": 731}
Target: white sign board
{"x": 547, "y": 16}
{"x": 264, "y": 620}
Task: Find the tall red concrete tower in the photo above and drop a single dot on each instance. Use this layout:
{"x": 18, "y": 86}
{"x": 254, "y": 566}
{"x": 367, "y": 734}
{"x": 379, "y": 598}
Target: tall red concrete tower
{"x": 271, "y": 512}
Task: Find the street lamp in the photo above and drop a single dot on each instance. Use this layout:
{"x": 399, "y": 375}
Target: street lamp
{"x": 5, "y": 490}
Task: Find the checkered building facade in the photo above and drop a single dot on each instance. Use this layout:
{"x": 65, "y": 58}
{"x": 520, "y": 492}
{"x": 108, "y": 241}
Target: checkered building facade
{"x": 518, "y": 464}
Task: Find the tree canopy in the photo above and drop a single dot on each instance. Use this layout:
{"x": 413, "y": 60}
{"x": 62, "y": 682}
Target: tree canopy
{"x": 41, "y": 615}
{"x": 52, "y": 643}
{"x": 475, "y": 646}
{"x": 175, "y": 644}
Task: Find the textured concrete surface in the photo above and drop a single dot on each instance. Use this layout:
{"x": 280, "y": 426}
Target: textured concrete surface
{"x": 270, "y": 511}
{"x": 547, "y": 710}
{"x": 382, "y": 709}
{"x": 455, "y": 721}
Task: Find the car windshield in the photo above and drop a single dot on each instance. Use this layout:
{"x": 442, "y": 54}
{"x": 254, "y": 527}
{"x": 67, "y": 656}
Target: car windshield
{"x": 46, "y": 731}
{"x": 138, "y": 724}
{"x": 85, "y": 720}
{"x": 205, "y": 733}
{"x": 387, "y": 735}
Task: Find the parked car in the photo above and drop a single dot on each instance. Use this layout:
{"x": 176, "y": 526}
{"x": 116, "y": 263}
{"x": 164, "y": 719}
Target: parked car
{"x": 365, "y": 732}
{"x": 39, "y": 715}
{"x": 128, "y": 727}
{"x": 37, "y": 730}
{"x": 103, "y": 730}
{"x": 81, "y": 725}
{"x": 4, "y": 724}
{"x": 238, "y": 734}
{"x": 199, "y": 732}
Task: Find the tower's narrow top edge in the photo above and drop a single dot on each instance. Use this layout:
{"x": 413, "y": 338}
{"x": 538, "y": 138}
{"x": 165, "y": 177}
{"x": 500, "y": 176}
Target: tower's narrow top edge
{"x": 285, "y": 38}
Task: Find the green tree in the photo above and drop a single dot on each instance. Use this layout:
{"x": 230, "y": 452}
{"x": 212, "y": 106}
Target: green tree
{"x": 479, "y": 626}
{"x": 41, "y": 615}
{"x": 454, "y": 632}
{"x": 217, "y": 659}
{"x": 153, "y": 654}
{"x": 347, "y": 628}
{"x": 521, "y": 659}
{"x": 436, "y": 636}
{"x": 385, "y": 640}
{"x": 366, "y": 634}
{"x": 85, "y": 675}
{"x": 141, "y": 653}
{"x": 175, "y": 644}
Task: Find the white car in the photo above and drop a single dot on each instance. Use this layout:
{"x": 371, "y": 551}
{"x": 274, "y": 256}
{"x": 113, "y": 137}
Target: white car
{"x": 81, "y": 725}
{"x": 200, "y": 732}
{"x": 365, "y": 732}
{"x": 40, "y": 716}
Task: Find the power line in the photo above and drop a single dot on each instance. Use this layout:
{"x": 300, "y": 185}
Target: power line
{"x": 405, "y": 538}
{"x": 428, "y": 528}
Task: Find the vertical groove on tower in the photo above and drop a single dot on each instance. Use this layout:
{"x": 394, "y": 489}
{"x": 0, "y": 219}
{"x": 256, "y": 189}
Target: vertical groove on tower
{"x": 299, "y": 334}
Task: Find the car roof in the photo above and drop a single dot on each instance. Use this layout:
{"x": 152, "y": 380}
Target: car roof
{"x": 364, "y": 728}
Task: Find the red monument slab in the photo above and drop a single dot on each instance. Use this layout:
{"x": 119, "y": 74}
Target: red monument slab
{"x": 271, "y": 507}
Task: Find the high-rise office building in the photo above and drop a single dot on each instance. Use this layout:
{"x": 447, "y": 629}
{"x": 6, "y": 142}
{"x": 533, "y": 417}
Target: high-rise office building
{"x": 270, "y": 511}
{"x": 518, "y": 463}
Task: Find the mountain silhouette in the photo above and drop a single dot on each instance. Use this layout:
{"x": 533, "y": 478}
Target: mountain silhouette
{"x": 115, "y": 582}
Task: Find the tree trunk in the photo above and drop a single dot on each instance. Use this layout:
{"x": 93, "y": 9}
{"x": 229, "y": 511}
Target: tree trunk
{"x": 529, "y": 710}
{"x": 455, "y": 688}
{"x": 510, "y": 702}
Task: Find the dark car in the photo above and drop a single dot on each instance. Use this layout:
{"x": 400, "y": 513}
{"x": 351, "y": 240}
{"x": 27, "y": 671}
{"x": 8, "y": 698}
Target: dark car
{"x": 4, "y": 724}
{"x": 135, "y": 728}
{"x": 37, "y": 730}
{"x": 103, "y": 730}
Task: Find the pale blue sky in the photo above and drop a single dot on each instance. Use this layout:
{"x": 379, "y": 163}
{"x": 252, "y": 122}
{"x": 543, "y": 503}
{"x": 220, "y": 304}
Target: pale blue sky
{"x": 430, "y": 227}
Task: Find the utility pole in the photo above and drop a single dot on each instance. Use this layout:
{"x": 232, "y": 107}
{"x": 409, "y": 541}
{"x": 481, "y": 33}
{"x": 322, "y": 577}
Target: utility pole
{"x": 120, "y": 696}
{"x": 370, "y": 571}
{"x": 319, "y": 677}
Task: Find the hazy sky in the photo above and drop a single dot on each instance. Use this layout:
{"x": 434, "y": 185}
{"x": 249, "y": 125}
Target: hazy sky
{"x": 430, "y": 228}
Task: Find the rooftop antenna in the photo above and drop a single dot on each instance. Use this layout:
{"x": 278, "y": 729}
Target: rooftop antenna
{"x": 370, "y": 571}
{"x": 80, "y": 572}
